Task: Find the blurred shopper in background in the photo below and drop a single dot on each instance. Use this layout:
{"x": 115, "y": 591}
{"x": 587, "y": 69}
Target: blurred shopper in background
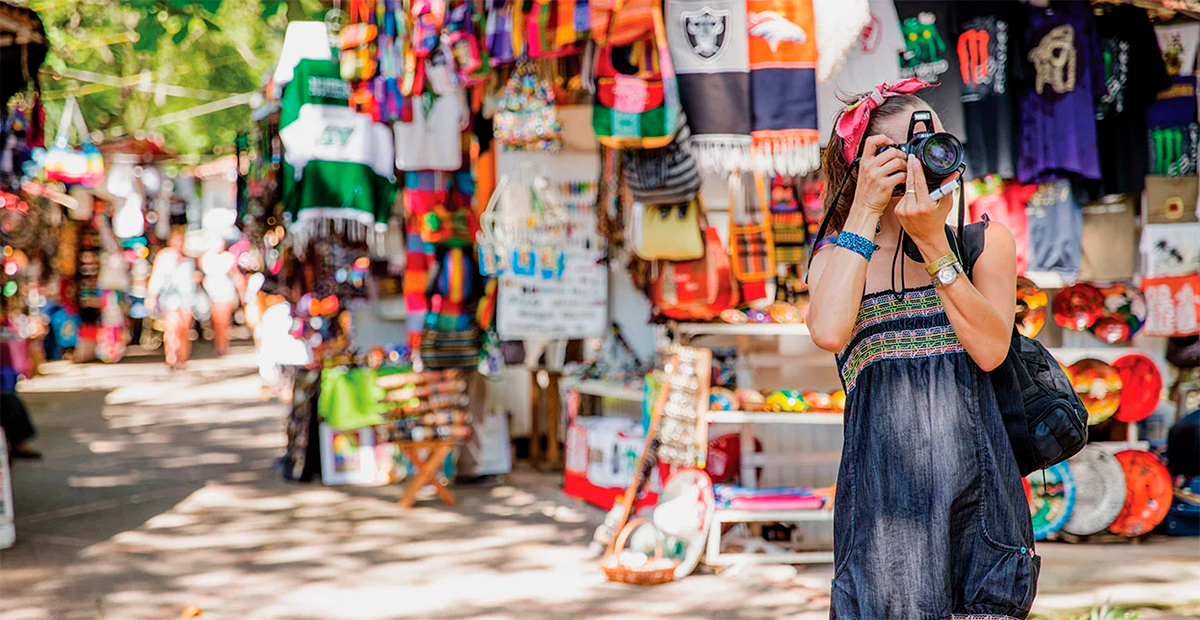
{"x": 172, "y": 292}
{"x": 221, "y": 281}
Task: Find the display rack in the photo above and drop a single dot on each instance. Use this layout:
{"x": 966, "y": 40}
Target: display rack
{"x": 604, "y": 389}
{"x": 752, "y": 460}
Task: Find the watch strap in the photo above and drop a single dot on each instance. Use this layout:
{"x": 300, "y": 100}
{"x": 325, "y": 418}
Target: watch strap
{"x": 934, "y": 266}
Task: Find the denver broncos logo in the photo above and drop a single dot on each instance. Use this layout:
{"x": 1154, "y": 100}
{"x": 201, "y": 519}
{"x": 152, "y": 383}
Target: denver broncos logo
{"x": 775, "y": 29}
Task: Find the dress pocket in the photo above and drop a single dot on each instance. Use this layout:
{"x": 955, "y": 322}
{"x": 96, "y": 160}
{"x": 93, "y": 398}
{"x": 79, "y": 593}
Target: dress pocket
{"x": 1002, "y": 583}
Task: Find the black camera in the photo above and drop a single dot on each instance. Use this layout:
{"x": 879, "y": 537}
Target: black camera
{"x": 940, "y": 153}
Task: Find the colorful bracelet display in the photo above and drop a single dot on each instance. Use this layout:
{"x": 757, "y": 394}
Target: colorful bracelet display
{"x": 856, "y": 243}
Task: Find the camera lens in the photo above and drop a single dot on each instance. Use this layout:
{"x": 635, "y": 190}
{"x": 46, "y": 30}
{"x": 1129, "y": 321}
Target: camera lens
{"x": 941, "y": 153}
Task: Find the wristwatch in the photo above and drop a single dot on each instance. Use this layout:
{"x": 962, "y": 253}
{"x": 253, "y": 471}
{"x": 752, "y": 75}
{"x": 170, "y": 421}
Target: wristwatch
{"x": 944, "y": 271}
{"x": 948, "y": 274}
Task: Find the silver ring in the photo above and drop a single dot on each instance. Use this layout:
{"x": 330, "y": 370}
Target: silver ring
{"x": 910, "y": 191}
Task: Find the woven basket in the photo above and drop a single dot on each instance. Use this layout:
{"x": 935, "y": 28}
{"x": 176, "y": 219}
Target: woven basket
{"x": 653, "y": 572}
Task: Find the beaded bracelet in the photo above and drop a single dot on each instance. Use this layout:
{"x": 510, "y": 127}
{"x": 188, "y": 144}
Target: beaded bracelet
{"x": 856, "y": 243}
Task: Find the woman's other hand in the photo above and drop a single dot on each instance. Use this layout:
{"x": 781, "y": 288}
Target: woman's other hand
{"x": 923, "y": 219}
{"x": 878, "y": 174}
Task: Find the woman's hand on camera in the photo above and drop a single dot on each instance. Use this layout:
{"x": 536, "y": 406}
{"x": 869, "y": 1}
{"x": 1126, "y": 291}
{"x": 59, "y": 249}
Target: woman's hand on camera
{"x": 878, "y": 174}
{"x": 923, "y": 219}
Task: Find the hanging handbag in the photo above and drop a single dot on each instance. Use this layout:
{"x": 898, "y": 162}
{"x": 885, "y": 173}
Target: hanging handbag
{"x": 639, "y": 110}
{"x": 751, "y": 239}
{"x": 83, "y": 166}
{"x": 696, "y": 290}
{"x": 526, "y": 116}
{"x": 621, "y": 22}
{"x": 663, "y": 176}
{"x": 670, "y": 232}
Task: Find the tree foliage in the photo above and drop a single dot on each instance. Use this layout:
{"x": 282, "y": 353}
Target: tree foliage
{"x": 131, "y": 62}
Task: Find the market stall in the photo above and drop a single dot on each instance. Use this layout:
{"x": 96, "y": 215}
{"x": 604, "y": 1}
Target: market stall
{"x": 482, "y": 186}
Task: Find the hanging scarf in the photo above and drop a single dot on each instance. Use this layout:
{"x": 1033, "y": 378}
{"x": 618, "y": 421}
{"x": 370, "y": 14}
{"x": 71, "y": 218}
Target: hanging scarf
{"x": 783, "y": 86}
{"x": 709, "y": 46}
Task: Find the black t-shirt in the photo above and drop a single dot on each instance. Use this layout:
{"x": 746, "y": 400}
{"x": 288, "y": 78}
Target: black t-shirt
{"x": 988, "y": 45}
{"x": 1134, "y": 73}
{"x": 926, "y": 27}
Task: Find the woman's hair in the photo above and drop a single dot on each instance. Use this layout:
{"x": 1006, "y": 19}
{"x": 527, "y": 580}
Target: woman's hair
{"x": 834, "y": 166}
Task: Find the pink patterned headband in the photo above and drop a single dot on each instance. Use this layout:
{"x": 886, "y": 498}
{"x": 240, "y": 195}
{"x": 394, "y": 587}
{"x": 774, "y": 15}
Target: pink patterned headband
{"x": 852, "y": 123}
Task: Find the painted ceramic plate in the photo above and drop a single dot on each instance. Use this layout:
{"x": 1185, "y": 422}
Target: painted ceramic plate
{"x": 1098, "y": 386}
{"x": 1078, "y": 306}
{"x": 1149, "y": 493}
{"x": 734, "y": 316}
{"x": 1141, "y": 387}
{"x": 1031, "y": 308}
{"x": 722, "y": 399}
{"x": 1124, "y": 314}
{"x": 1053, "y": 493}
{"x": 685, "y": 512}
{"x": 1100, "y": 491}
{"x": 783, "y": 313}
{"x": 750, "y": 400}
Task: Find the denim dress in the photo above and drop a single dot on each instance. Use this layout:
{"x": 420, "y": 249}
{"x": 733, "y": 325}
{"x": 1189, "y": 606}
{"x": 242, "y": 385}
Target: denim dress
{"x": 931, "y": 521}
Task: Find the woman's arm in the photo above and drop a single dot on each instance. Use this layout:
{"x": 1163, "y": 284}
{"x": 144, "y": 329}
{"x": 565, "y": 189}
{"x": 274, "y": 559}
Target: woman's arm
{"x": 838, "y": 276}
{"x": 981, "y": 312}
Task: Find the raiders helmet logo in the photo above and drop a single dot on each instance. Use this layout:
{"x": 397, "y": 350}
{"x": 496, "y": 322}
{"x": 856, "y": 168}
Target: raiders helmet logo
{"x": 705, "y": 31}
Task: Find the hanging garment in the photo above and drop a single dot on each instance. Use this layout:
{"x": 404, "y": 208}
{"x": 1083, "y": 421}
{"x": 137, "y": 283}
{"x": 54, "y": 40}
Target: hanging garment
{"x": 338, "y": 164}
{"x": 710, "y": 51}
{"x": 433, "y": 139}
{"x": 931, "y": 56}
{"x": 1058, "y": 108}
{"x": 989, "y": 53}
{"x": 873, "y": 60}
{"x": 1055, "y": 230}
{"x": 783, "y": 86}
{"x": 839, "y": 25}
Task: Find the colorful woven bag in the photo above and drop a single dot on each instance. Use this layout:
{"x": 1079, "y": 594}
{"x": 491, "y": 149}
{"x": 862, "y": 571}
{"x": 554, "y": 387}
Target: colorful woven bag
{"x": 83, "y": 166}
{"x": 751, "y": 238}
{"x": 637, "y": 110}
{"x": 621, "y": 22}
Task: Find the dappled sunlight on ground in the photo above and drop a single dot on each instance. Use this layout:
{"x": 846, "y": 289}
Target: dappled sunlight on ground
{"x": 158, "y": 492}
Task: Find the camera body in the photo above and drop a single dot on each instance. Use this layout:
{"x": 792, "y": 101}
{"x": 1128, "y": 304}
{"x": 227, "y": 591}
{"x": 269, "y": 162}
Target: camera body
{"x": 940, "y": 153}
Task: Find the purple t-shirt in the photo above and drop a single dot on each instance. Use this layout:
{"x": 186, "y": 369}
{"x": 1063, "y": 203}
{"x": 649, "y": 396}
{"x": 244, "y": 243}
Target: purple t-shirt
{"x": 1066, "y": 76}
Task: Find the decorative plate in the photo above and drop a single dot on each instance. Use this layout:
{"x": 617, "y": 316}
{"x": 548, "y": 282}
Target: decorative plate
{"x": 1124, "y": 314}
{"x": 1141, "y": 387}
{"x": 1100, "y": 491}
{"x": 1148, "y": 496}
{"x": 1078, "y": 306}
{"x": 1098, "y": 386}
{"x": 1053, "y": 493}
{"x": 1031, "y": 308}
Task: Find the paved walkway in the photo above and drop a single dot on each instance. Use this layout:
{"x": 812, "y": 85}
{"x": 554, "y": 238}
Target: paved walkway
{"x": 157, "y": 494}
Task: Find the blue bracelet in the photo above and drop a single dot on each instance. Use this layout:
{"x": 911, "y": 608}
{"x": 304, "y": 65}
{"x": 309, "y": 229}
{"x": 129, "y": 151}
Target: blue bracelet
{"x": 856, "y": 243}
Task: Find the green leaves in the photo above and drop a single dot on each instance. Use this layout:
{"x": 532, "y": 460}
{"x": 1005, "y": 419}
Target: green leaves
{"x": 149, "y": 30}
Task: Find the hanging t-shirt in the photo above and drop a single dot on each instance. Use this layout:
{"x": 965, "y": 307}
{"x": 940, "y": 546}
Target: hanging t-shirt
{"x": 1066, "y": 76}
{"x": 1170, "y": 250}
{"x": 1134, "y": 73}
{"x": 1005, "y": 203}
{"x": 1055, "y": 229}
{"x": 1179, "y": 43}
{"x": 988, "y": 49}
{"x": 874, "y": 60}
{"x": 433, "y": 139}
{"x": 931, "y": 56}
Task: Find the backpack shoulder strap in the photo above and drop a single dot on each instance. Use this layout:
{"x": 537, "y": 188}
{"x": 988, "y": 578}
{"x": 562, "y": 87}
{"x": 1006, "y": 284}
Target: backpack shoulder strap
{"x": 973, "y": 241}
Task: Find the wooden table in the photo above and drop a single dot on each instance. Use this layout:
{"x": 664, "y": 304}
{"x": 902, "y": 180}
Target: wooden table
{"x": 427, "y": 470}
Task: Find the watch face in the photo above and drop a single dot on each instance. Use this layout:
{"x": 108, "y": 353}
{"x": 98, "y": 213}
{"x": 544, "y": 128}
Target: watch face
{"x": 947, "y": 275}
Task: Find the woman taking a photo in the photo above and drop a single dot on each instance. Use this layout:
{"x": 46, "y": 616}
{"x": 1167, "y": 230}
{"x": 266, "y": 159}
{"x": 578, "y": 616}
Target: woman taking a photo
{"x": 931, "y": 521}
{"x": 172, "y": 290}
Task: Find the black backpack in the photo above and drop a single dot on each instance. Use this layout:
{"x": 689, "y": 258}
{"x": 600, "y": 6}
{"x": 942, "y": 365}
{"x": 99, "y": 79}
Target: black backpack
{"x": 1045, "y": 420}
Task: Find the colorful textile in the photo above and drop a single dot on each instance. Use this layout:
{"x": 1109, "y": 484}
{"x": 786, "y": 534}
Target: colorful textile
{"x": 729, "y": 495}
{"x": 879, "y": 333}
{"x": 339, "y": 165}
{"x": 709, "y": 44}
{"x": 783, "y": 86}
